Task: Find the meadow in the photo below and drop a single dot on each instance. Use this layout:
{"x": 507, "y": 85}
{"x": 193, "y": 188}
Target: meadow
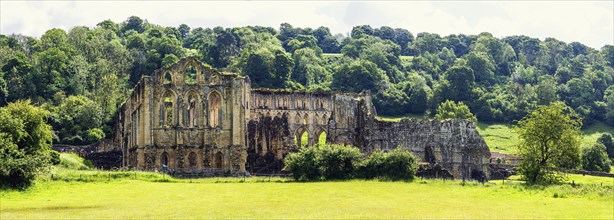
{"x": 106, "y": 194}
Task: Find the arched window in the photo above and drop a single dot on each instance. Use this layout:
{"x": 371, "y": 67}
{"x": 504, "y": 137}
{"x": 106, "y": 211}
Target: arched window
{"x": 219, "y": 160}
{"x": 192, "y": 160}
{"x": 322, "y": 138}
{"x": 214, "y": 109}
{"x": 315, "y": 119}
{"x": 164, "y": 159}
{"x": 305, "y": 119}
{"x": 167, "y": 109}
{"x": 301, "y": 138}
{"x": 192, "y": 100}
{"x": 190, "y": 74}
{"x": 168, "y": 79}
{"x": 324, "y": 119}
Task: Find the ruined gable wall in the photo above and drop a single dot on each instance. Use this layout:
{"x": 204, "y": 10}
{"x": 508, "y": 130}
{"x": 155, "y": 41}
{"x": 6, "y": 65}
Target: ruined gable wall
{"x": 455, "y": 144}
{"x": 145, "y": 135}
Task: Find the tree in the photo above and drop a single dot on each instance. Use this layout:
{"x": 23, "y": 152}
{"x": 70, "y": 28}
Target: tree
{"x": 608, "y": 97}
{"x": 606, "y": 140}
{"x": 358, "y": 76}
{"x": 25, "y": 143}
{"x": 452, "y": 110}
{"x": 595, "y": 158}
{"x": 549, "y": 141}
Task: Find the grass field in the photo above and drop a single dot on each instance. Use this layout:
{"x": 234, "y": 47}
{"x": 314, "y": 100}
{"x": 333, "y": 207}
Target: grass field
{"x": 92, "y": 194}
{"x": 256, "y": 198}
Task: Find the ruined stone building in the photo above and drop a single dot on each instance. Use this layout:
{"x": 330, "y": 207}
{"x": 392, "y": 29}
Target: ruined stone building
{"x": 195, "y": 119}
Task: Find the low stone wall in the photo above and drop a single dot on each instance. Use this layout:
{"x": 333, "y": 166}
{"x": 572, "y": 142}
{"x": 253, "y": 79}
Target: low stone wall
{"x": 590, "y": 173}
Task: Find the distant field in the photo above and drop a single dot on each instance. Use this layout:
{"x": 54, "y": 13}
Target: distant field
{"x": 256, "y": 198}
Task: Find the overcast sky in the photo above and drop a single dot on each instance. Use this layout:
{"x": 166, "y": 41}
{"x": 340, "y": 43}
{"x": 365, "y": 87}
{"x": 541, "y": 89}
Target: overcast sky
{"x": 591, "y": 23}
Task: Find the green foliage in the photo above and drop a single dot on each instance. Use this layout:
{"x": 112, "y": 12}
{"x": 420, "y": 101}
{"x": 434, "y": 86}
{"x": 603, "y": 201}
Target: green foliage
{"x": 398, "y": 164}
{"x": 55, "y": 157}
{"x": 77, "y": 117}
{"x": 25, "y": 143}
{"x": 453, "y": 110}
{"x": 549, "y": 141}
{"x": 595, "y": 158}
{"x": 333, "y": 161}
{"x": 608, "y": 143}
{"x": 327, "y": 161}
{"x": 304, "y": 164}
{"x": 358, "y": 76}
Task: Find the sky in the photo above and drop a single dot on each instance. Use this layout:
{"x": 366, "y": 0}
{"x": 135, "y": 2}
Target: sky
{"x": 587, "y": 22}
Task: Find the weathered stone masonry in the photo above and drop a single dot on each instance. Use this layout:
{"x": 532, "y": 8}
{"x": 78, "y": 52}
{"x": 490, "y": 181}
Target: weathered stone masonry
{"x": 195, "y": 119}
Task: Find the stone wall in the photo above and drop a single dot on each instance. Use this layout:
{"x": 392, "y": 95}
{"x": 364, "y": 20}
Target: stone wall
{"x": 455, "y": 144}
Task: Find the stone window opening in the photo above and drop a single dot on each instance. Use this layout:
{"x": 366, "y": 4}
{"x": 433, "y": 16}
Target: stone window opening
{"x": 302, "y": 138}
{"x": 168, "y": 79}
{"x": 192, "y": 160}
{"x": 190, "y": 74}
{"x": 192, "y": 110}
{"x": 164, "y": 160}
{"x": 219, "y": 160}
{"x": 322, "y": 137}
{"x": 214, "y": 109}
{"x": 168, "y": 110}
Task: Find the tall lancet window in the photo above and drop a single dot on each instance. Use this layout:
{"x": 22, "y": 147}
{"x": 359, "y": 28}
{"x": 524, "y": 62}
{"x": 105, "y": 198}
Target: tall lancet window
{"x": 214, "y": 109}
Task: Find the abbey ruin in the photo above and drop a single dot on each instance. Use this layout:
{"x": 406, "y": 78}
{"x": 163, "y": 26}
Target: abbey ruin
{"x": 192, "y": 118}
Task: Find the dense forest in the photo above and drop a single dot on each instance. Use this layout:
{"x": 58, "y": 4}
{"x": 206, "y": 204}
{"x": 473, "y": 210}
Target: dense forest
{"x": 81, "y": 76}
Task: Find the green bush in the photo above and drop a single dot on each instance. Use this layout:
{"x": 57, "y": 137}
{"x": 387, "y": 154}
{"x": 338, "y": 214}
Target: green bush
{"x": 398, "y": 164}
{"x": 303, "y": 164}
{"x": 333, "y": 161}
{"x": 55, "y": 157}
{"x": 328, "y": 161}
{"x": 338, "y": 161}
{"x": 25, "y": 142}
{"x": 595, "y": 158}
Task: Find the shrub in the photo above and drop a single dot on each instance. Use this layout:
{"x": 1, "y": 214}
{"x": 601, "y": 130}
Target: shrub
{"x": 328, "y": 161}
{"x": 303, "y": 164}
{"x": 606, "y": 139}
{"x": 55, "y": 157}
{"x": 25, "y": 142}
{"x": 595, "y": 158}
{"x": 338, "y": 161}
{"x": 398, "y": 164}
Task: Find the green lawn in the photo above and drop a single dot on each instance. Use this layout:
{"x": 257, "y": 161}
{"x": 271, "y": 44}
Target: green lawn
{"x": 281, "y": 198}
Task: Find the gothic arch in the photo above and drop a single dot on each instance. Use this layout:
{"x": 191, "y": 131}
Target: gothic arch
{"x": 165, "y": 159}
{"x": 219, "y": 160}
{"x": 301, "y": 137}
{"x": 168, "y": 112}
{"x": 215, "y": 109}
{"x": 320, "y": 135}
{"x": 192, "y": 160}
{"x": 192, "y": 103}
{"x": 167, "y": 77}
{"x": 191, "y": 73}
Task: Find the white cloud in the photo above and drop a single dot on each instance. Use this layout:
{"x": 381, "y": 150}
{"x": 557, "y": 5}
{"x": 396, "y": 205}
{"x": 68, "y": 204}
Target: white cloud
{"x": 591, "y": 23}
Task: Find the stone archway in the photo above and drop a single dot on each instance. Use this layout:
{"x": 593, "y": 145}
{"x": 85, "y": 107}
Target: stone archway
{"x": 219, "y": 160}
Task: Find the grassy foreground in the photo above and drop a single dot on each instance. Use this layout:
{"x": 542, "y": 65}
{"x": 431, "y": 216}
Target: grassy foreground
{"x": 281, "y": 198}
